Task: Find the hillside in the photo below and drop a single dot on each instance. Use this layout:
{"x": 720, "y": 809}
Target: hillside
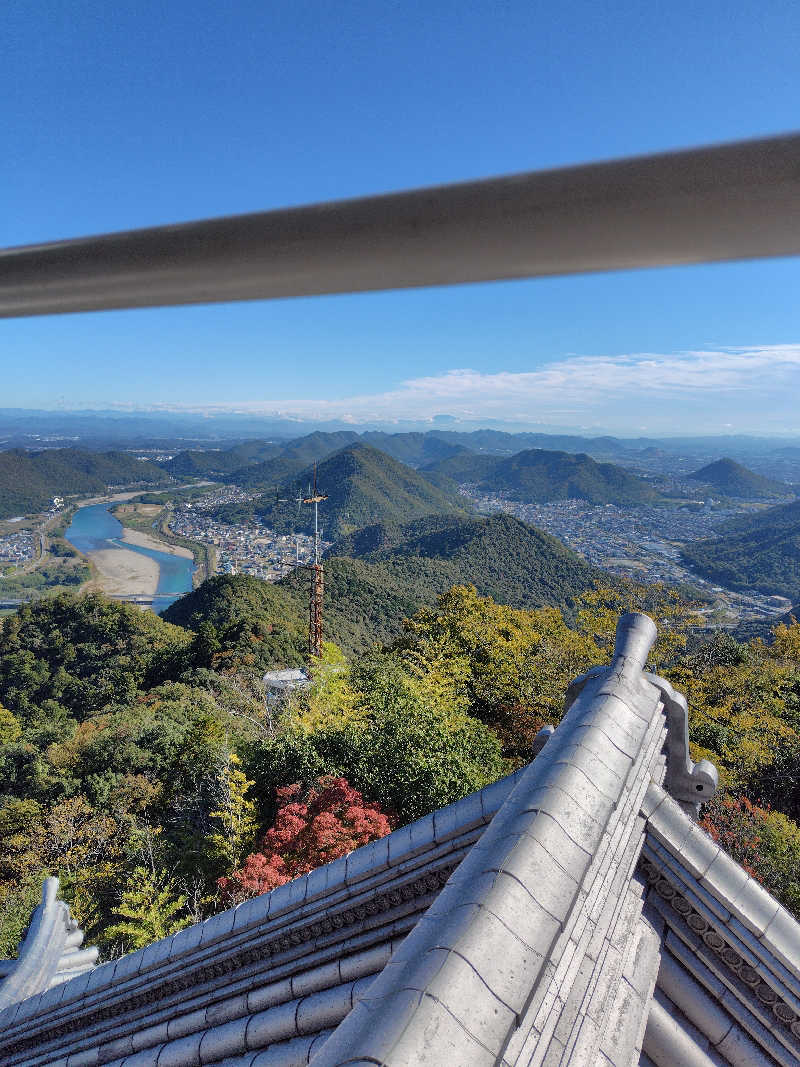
{"x": 401, "y": 567}
{"x": 730, "y": 478}
{"x": 413, "y": 449}
{"x": 363, "y": 486}
{"x": 539, "y": 476}
{"x": 759, "y": 552}
{"x": 276, "y": 463}
{"x": 291, "y": 460}
{"x": 30, "y": 480}
{"x": 220, "y": 462}
{"x": 465, "y": 467}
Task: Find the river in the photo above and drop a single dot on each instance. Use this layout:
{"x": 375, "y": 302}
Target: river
{"x": 95, "y": 529}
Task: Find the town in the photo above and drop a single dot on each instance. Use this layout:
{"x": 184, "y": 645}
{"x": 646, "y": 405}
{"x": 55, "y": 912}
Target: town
{"x": 642, "y": 543}
{"x": 17, "y": 547}
{"x": 241, "y": 548}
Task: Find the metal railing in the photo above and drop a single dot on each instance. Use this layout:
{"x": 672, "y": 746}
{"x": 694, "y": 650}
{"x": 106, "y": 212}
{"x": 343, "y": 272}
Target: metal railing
{"x": 735, "y": 201}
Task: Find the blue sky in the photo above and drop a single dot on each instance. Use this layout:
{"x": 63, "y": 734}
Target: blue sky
{"x": 138, "y": 113}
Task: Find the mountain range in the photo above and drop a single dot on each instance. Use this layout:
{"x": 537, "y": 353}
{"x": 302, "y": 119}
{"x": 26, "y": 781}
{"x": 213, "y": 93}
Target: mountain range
{"x": 363, "y": 485}
{"x": 538, "y": 476}
{"x": 759, "y": 551}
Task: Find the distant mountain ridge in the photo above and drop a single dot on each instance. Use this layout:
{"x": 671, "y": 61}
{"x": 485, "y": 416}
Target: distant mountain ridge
{"x": 539, "y": 476}
{"x": 30, "y": 480}
{"x": 261, "y": 463}
{"x": 425, "y": 449}
{"x": 732, "y": 479}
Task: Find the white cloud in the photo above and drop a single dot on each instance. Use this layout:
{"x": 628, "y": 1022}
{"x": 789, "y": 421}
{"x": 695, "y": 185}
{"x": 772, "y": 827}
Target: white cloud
{"x": 713, "y": 389}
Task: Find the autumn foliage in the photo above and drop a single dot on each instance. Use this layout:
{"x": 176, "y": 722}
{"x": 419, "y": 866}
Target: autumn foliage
{"x": 764, "y": 842}
{"x": 310, "y": 829}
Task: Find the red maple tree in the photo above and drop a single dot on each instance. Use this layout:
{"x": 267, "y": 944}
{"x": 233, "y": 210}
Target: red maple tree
{"x": 737, "y": 825}
{"x": 329, "y": 821}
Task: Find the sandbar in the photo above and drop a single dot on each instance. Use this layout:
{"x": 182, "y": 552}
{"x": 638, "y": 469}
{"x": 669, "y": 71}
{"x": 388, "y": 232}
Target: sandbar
{"x": 143, "y": 540}
{"x": 124, "y": 573}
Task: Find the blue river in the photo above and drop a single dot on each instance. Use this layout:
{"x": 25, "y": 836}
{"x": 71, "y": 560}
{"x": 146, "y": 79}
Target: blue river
{"x": 94, "y": 528}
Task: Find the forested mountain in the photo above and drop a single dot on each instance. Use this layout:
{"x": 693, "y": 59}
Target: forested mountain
{"x": 465, "y": 467}
{"x": 363, "y": 486}
{"x": 262, "y": 463}
{"x": 30, "y": 480}
{"x": 730, "y": 478}
{"x": 292, "y": 460}
{"x": 221, "y": 462}
{"x": 500, "y": 442}
{"x": 760, "y": 551}
{"x": 273, "y": 464}
{"x": 539, "y": 476}
{"x": 413, "y": 449}
{"x": 397, "y": 569}
{"x": 504, "y": 558}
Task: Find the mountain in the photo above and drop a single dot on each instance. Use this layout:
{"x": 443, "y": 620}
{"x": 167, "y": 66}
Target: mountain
{"x": 500, "y": 442}
{"x": 539, "y": 476}
{"x": 730, "y": 478}
{"x": 760, "y": 551}
{"x": 30, "y": 480}
{"x": 465, "y": 467}
{"x": 363, "y": 486}
{"x": 413, "y": 449}
{"x": 292, "y": 459}
{"x": 400, "y": 568}
{"x": 217, "y": 462}
{"x": 502, "y": 556}
{"x": 366, "y": 598}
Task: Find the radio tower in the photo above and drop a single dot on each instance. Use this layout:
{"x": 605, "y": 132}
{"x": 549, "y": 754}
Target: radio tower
{"x": 317, "y": 578}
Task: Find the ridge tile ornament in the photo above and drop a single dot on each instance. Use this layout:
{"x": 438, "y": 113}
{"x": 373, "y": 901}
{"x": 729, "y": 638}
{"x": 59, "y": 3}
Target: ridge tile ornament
{"x": 571, "y": 914}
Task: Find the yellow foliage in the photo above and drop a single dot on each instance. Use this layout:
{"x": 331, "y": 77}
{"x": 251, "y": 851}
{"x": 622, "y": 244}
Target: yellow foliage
{"x": 600, "y": 609}
{"x": 330, "y": 702}
{"x": 10, "y": 729}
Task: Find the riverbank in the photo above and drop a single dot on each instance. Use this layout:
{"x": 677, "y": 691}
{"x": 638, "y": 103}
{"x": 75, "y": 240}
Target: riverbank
{"x": 143, "y": 540}
{"x": 129, "y": 563}
{"x": 121, "y": 572}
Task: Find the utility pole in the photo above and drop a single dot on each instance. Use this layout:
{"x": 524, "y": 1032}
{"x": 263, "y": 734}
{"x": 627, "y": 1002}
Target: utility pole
{"x": 317, "y": 577}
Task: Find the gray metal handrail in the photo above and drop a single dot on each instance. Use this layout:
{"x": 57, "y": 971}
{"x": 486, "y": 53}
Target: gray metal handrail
{"x": 727, "y": 202}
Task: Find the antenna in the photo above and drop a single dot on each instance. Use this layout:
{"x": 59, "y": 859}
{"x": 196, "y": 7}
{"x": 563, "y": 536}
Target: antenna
{"x": 317, "y": 577}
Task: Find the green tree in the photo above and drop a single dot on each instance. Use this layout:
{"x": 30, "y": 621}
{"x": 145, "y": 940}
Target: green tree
{"x": 507, "y": 666}
{"x": 402, "y": 751}
{"x": 149, "y": 910}
{"x": 330, "y": 701}
{"x": 10, "y": 729}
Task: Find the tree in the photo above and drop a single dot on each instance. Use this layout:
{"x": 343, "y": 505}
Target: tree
{"x": 236, "y": 816}
{"x": 330, "y": 701}
{"x": 765, "y": 842}
{"x": 311, "y": 828}
{"x": 10, "y": 729}
{"x": 507, "y": 666}
{"x": 149, "y": 910}
{"x": 600, "y": 609}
